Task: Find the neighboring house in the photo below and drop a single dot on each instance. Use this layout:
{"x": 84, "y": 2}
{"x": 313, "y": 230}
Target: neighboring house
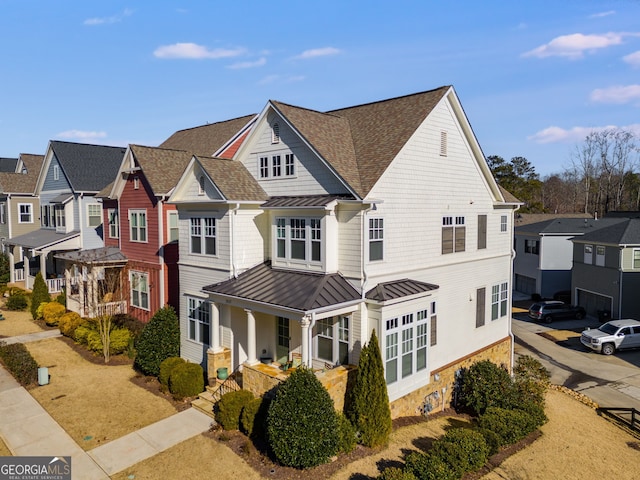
{"x": 8, "y": 165}
{"x": 140, "y": 239}
{"x": 220, "y": 139}
{"x": 606, "y": 269}
{"x": 326, "y": 226}
{"x": 19, "y": 205}
{"x": 70, "y": 215}
{"x": 544, "y": 253}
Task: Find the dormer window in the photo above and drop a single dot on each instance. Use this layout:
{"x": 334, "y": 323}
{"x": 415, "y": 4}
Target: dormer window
{"x": 275, "y": 133}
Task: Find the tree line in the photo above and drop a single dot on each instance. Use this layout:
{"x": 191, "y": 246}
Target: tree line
{"x": 602, "y": 176}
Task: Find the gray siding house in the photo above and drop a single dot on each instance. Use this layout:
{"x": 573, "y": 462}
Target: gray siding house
{"x": 606, "y": 269}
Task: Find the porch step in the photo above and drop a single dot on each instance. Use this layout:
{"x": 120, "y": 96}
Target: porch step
{"x": 204, "y": 406}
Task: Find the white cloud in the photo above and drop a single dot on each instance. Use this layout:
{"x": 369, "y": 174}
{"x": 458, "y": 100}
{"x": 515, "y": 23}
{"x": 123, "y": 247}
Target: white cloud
{"x": 603, "y": 14}
{"x": 195, "y": 51}
{"x": 575, "y": 45}
{"x": 616, "y": 94}
{"x": 108, "y": 20}
{"x": 633, "y": 59}
{"x": 576, "y": 134}
{"x": 317, "y": 52}
{"x": 81, "y": 135}
{"x": 240, "y": 65}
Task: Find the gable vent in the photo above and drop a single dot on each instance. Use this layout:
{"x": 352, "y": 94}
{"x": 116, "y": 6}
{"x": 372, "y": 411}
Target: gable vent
{"x": 275, "y": 133}
{"x": 443, "y": 143}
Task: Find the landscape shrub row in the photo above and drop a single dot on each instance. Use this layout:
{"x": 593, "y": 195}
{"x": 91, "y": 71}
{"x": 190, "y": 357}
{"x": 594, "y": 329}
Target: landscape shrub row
{"x": 17, "y": 359}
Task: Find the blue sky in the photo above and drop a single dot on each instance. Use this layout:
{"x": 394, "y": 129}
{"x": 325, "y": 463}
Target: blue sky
{"x": 534, "y": 77}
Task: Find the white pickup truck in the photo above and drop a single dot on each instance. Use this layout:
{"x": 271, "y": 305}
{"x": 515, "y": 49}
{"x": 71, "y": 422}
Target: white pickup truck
{"x": 612, "y": 336}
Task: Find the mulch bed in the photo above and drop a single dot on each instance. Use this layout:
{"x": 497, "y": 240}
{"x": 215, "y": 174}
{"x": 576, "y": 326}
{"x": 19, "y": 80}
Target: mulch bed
{"x": 257, "y": 457}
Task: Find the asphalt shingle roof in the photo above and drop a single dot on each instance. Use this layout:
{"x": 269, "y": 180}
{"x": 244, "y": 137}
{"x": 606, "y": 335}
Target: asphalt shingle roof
{"x": 162, "y": 167}
{"x": 89, "y": 168}
{"x": 233, "y": 179}
{"x": 624, "y": 232}
{"x": 23, "y": 182}
{"x": 567, "y": 226}
{"x": 206, "y": 140}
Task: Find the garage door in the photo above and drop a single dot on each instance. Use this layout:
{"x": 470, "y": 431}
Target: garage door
{"x": 592, "y": 302}
{"x": 525, "y": 284}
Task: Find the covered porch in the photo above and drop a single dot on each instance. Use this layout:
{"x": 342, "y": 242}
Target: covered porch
{"x": 96, "y": 285}
{"x": 269, "y": 321}
{"x": 35, "y": 252}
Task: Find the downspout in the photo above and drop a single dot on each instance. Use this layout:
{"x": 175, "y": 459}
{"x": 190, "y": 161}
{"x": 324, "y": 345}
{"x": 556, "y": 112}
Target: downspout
{"x": 511, "y": 273}
{"x": 232, "y": 213}
{"x": 620, "y": 285}
{"x": 363, "y": 225}
{"x": 161, "y": 243}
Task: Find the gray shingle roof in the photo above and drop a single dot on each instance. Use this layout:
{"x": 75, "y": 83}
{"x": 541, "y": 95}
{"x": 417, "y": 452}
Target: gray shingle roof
{"x": 206, "y": 140}
{"x": 624, "y": 232}
{"x": 94, "y": 255}
{"x": 398, "y": 289}
{"x": 301, "y": 291}
{"x": 89, "y": 168}
{"x": 360, "y": 142}
{"x": 8, "y": 164}
{"x": 567, "y": 226}
{"x": 23, "y": 182}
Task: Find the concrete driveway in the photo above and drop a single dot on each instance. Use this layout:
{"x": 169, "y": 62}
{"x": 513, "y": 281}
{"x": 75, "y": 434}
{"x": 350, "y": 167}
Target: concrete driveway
{"x": 611, "y": 381}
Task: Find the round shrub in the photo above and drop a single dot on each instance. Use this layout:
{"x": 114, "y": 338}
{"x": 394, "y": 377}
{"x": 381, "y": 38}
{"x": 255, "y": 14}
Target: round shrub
{"x": 17, "y": 302}
{"x": 253, "y": 418}
{"x": 484, "y": 385}
{"x": 227, "y": 411}
{"x": 94, "y": 342}
{"x": 302, "y": 424}
{"x": 119, "y": 340}
{"x": 160, "y": 339}
{"x": 426, "y": 466}
{"x": 68, "y": 323}
{"x": 463, "y": 449}
{"x": 186, "y": 380}
{"x": 167, "y": 365}
{"x": 395, "y": 473}
{"x": 82, "y": 332}
{"x": 40, "y": 311}
{"x": 494, "y": 442}
{"x": 347, "y": 434}
{"x": 52, "y": 312}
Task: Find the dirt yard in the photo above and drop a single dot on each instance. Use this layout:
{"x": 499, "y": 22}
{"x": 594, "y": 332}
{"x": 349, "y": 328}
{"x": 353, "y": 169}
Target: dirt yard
{"x": 97, "y": 403}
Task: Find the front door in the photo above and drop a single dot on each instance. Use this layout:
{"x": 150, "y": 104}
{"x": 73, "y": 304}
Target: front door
{"x": 282, "y": 347}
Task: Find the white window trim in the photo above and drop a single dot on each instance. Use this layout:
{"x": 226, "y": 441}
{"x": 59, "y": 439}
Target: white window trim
{"x": 499, "y": 300}
{"x": 203, "y": 236}
{"x": 504, "y": 223}
{"x": 30, "y": 212}
{"x": 3, "y": 213}
{"x": 411, "y": 334}
{"x": 170, "y": 214}
{"x": 132, "y": 281}
{"x": 310, "y": 241}
{"x": 89, "y": 205}
{"x": 198, "y": 320}
{"x": 636, "y": 251}
{"x": 337, "y": 338}
{"x": 56, "y": 172}
{"x": 113, "y": 217}
{"x": 376, "y": 235}
{"x": 137, "y": 212}
{"x": 270, "y": 169}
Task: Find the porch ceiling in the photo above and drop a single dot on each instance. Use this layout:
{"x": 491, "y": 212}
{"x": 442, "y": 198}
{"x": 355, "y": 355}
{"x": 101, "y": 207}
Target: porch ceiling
{"x": 301, "y": 291}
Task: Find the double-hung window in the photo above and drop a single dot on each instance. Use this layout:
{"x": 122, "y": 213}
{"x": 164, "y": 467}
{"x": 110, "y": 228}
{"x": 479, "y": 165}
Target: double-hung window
{"x": 203, "y": 235}
{"x": 94, "y": 212}
{"x": 25, "y": 213}
{"x": 636, "y": 258}
{"x": 332, "y": 338}
{"x": 270, "y": 166}
{"x": 174, "y": 230}
{"x": 114, "y": 224}
{"x": 3, "y": 213}
{"x": 299, "y": 239}
{"x": 376, "y": 239}
{"x": 503, "y": 223}
{"x": 139, "y": 289}
{"x": 406, "y": 340}
{"x": 453, "y": 234}
{"x": 199, "y": 320}
{"x": 138, "y": 225}
{"x": 289, "y": 165}
{"x": 59, "y": 216}
{"x": 499, "y": 300}
{"x": 531, "y": 246}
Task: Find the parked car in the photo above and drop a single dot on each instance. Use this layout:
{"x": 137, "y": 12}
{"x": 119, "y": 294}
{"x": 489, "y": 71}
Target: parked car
{"x": 551, "y": 310}
{"x": 612, "y": 336}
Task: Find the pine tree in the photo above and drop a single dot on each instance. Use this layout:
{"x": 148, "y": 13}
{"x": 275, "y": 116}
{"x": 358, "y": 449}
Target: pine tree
{"x": 39, "y": 294}
{"x": 368, "y": 409}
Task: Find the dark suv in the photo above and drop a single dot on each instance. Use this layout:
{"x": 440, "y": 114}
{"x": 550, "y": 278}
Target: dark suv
{"x": 555, "y": 310}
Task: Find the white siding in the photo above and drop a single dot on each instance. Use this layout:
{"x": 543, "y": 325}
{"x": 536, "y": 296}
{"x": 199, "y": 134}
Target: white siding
{"x": 349, "y": 241}
{"x": 556, "y": 253}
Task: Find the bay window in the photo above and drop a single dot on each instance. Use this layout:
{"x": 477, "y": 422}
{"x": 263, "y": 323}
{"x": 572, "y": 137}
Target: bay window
{"x": 406, "y": 339}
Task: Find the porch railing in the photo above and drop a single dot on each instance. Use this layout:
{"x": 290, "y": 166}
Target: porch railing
{"x": 55, "y": 285}
{"x": 18, "y": 275}
{"x": 111, "y": 308}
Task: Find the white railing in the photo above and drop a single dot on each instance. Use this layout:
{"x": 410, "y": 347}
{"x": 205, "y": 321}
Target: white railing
{"x": 18, "y": 275}
{"x": 110, "y": 308}
{"x": 55, "y": 285}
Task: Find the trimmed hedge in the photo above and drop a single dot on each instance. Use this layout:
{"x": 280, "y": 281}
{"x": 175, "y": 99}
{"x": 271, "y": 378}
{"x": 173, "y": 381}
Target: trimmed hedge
{"x": 253, "y": 418}
{"x": 227, "y": 411}
{"x": 159, "y": 340}
{"x": 17, "y": 302}
{"x": 68, "y": 323}
{"x": 395, "y": 473}
{"x": 425, "y": 466}
{"x": 52, "y": 312}
{"x": 166, "y": 367}
{"x": 186, "y": 380}
{"x": 20, "y": 363}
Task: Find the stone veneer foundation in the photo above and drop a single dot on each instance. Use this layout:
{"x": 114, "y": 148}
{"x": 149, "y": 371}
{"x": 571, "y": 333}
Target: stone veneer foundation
{"x": 216, "y": 360}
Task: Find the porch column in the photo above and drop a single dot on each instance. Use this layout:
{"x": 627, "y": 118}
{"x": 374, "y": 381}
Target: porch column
{"x": 12, "y": 264}
{"x": 306, "y": 353}
{"x": 43, "y": 265}
{"x": 215, "y": 328}
{"x": 251, "y": 338}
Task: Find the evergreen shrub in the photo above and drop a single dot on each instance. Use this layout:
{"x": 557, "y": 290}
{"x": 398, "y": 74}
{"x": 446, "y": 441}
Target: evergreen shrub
{"x": 68, "y": 323}
{"x": 159, "y": 340}
{"x": 186, "y": 380}
{"x": 462, "y": 449}
{"x": 426, "y": 466}
{"x": 119, "y": 340}
{"x": 302, "y": 424}
{"x": 253, "y": 417}
{"x": 395, "y": 473}
{"x": 167, "y": 365}
{"x": 227, "y": 411}
{"x": 39, "y": 294}
{"x": 484, "y": 385}
{"x": 20, "y": 363}
{"x": 510, "y": 425}
{"x": 82, "y": 332}
{"x": 347, "y": 435}
{"x": 52, "y": 312}
{"x": 17, "y": 302}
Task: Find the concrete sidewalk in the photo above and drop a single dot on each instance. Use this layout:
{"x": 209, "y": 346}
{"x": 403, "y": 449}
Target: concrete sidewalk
{"x": 32, "y": 337}
{"x": 28, "y": 430}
